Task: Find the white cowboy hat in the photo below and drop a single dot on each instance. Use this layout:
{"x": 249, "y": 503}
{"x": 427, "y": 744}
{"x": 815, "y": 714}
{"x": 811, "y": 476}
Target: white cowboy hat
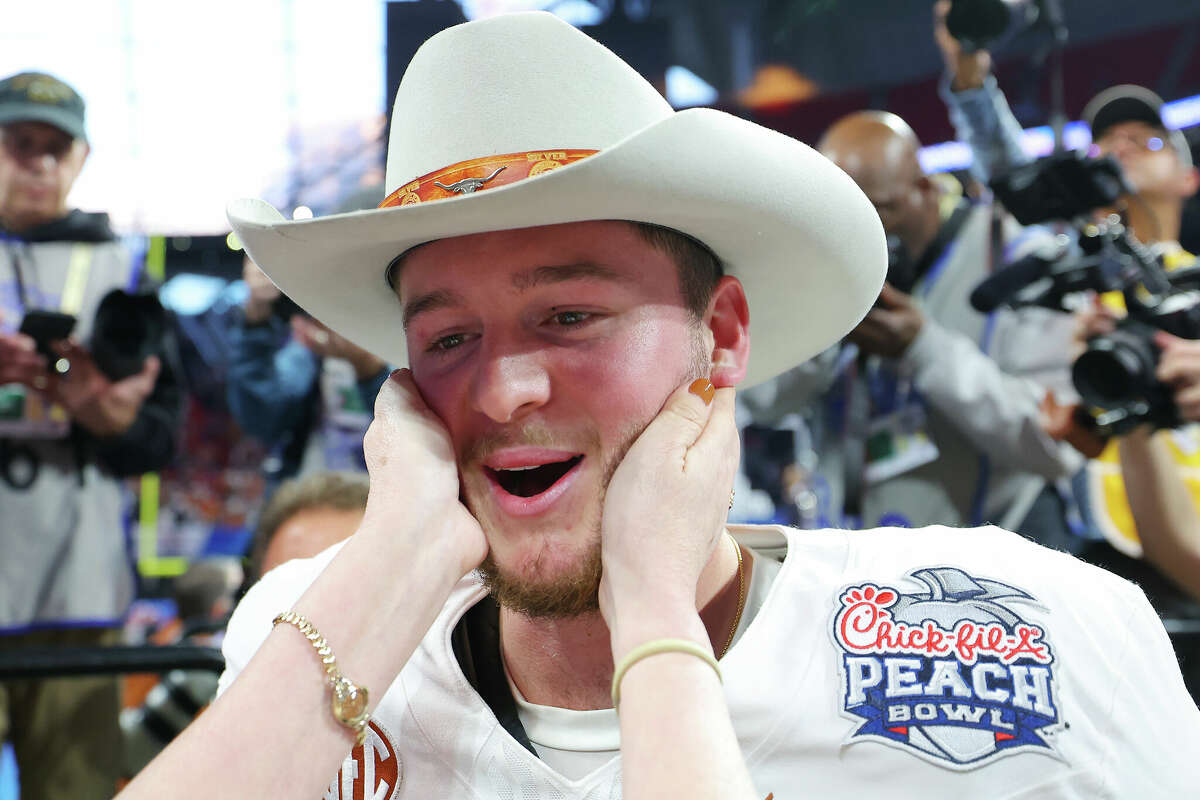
{"x": 529, "y": 93}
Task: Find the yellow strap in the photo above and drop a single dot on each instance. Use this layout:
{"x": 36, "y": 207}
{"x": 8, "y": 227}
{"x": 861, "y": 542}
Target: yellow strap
{"x": 77, "y": 277}
{"x": 156, "y": 258}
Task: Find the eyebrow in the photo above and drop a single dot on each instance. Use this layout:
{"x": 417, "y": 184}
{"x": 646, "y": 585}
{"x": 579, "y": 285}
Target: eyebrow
{"x": 521, "y": 281}
{"x": 423, "y": 304}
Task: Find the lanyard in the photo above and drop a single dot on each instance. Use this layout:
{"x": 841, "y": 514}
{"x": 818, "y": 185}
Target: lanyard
{"x": 79, "y": 266}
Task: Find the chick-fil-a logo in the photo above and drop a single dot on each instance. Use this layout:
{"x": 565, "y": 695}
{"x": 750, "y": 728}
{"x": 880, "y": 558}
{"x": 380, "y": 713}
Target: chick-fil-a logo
{"x": 864, "y": 625}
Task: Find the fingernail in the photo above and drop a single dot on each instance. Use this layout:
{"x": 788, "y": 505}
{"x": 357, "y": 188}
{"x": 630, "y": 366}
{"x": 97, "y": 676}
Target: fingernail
{"x": 703, "y": 388}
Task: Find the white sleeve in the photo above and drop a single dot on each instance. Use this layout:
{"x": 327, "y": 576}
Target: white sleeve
{"x": 1154, "y": 723}
{"x": 999, "y": 413}
{"x": 275, "y": 592}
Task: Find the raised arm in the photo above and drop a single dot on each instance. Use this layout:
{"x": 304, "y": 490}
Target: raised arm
{"x": 977, "y": 107}
{"x": 393, "y": 575}
{"x": 1164, "y": 510}
{"x": 664, "y": 516}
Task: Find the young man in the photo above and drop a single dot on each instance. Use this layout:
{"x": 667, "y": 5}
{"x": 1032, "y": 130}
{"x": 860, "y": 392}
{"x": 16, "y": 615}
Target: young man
{"x": 566, "y": 424}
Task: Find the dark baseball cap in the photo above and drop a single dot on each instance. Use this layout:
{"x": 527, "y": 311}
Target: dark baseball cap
{"x": 38, "y": 97}
{"x": 1130, "y": 103}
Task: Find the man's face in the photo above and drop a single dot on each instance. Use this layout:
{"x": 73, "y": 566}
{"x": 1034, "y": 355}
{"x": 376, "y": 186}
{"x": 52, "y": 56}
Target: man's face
{"x": 38, "y": 165}
{"x": 1147, "y": 158}
{"x": 902, "y": 200}
{"x": 546, "y": 351}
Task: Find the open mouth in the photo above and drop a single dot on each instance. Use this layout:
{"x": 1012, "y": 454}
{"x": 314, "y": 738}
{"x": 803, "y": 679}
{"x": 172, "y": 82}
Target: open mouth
{"x": 532, "y": 481}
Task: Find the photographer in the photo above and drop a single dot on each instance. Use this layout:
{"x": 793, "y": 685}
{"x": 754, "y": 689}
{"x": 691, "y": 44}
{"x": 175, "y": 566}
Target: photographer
{"x": 69, "y": 431}
{"x": 1126, "y": 123}
{"x": 928, "y": 413}
{"x": 300, "y": 388}
{"x": 1162, "y": 505}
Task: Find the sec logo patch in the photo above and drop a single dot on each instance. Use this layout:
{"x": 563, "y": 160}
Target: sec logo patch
{"x": 371, "y": 772}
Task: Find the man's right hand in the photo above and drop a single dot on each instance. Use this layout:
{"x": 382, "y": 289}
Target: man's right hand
{"x": 966, "y": 69}
{"x": 414, "y": 477}
{"x": 1179, "y": 366}
{"x": 20, "y": 362}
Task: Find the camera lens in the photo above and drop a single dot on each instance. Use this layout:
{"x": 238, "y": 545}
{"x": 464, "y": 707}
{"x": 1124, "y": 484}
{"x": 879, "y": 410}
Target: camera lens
{"x": 1114, "y": 370}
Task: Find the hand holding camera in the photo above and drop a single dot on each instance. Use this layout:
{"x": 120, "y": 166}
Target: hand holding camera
{"x": 1179, "y": 368}
{"x": 966, "y": 67}
{"x": 328, "y": 344}
{"x": 20, "y": 362}
{"x": 102, "y": 406}
{"x": 891, "y": 326}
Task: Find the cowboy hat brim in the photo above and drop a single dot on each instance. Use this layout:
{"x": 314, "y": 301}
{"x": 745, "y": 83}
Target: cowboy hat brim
{"x": 799, "y": 234}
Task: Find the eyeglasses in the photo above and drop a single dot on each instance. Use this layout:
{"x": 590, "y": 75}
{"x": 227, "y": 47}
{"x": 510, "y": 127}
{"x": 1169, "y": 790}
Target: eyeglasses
{"x": 1147, "y": 141}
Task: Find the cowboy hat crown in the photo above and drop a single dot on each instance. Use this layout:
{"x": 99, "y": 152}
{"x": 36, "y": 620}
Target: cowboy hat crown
{"x": 521, "y": 120}
{"x": 518, "y": 87}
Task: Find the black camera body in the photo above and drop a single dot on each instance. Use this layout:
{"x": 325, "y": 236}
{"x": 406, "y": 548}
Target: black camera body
{"x": 127, "y": 329}
{"x": 1116, "y": 373}
{"x": 1115, "y": 376}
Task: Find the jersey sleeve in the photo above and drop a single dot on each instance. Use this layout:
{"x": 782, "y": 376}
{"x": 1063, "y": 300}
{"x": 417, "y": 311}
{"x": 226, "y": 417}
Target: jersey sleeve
{"x": 1155, "y": 725}
{"x": 275, "y": 592}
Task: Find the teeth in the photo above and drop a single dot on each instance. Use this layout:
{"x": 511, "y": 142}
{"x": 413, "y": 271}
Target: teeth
{"x": 522, "y": 469}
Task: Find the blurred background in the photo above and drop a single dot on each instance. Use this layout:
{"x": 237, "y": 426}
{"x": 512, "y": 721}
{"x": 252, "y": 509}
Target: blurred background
{"x": 191, "y": 106}
{"x": 286, "y": 100}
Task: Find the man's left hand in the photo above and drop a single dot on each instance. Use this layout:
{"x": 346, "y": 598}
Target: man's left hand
{"x": 665, "y": 507}
{"x": 326, "y": 343}
{"x": 101, "y": 406}
{"x": 1179, "y": 366}
{"x": 891, "y": 326}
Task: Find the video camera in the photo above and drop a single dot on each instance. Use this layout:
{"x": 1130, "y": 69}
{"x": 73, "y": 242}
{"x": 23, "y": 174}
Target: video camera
{"x": 1115, "y": 375}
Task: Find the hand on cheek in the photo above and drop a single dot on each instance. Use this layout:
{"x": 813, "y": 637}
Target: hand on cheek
{"x": 414, "y": 478}
{"x": 666, "y": 504}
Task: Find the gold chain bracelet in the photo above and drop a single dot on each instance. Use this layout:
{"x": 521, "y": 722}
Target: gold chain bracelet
{"x": 349, "y": 701}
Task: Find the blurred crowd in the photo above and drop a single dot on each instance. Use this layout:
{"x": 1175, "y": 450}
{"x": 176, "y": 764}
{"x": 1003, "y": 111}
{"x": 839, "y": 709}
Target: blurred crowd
{"x": 963, "y": 398}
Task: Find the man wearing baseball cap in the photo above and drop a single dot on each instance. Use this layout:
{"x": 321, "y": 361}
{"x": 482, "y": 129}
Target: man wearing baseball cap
{"x": 1127, "y": 123}
{"x": 68, "y": 434}
{"x": 544, "y": 599}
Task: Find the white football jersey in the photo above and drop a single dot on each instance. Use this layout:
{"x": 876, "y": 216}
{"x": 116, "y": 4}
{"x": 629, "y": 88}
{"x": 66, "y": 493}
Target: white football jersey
{"x": 926, "y": 664}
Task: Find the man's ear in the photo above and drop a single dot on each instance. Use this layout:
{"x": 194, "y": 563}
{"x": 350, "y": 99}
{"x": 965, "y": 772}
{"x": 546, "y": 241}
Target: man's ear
{"x": 728, "y": 320}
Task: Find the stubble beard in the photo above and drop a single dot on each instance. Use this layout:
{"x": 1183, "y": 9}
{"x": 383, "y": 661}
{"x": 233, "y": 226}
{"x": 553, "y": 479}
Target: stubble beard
{"x": 577, "y": 591}
{"x": 571, "y": 593}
